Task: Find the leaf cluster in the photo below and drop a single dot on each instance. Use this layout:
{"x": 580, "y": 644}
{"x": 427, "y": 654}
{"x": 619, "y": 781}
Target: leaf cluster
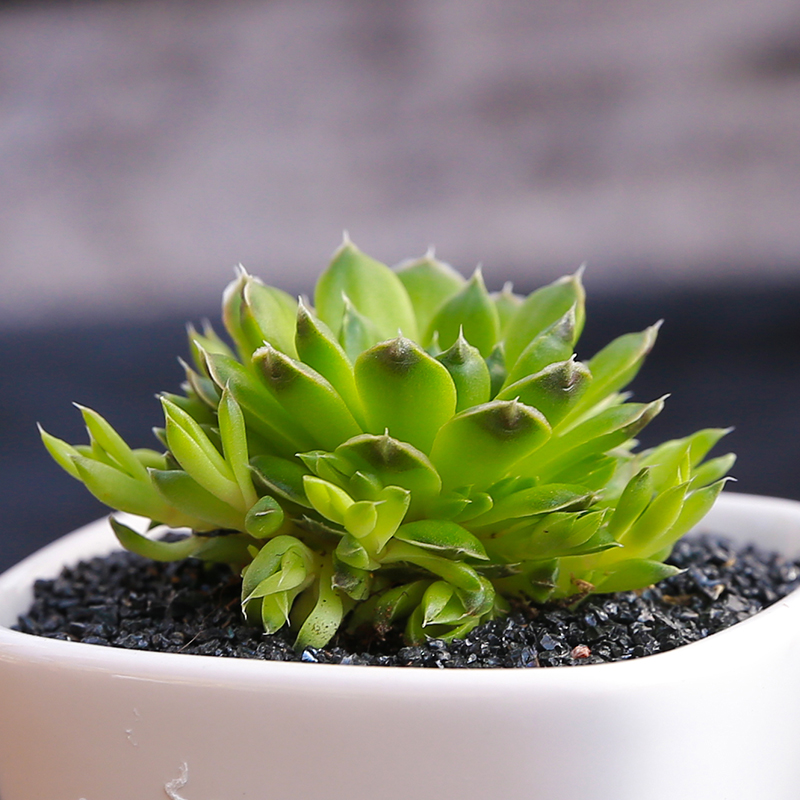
{"x": 412, "y": 449}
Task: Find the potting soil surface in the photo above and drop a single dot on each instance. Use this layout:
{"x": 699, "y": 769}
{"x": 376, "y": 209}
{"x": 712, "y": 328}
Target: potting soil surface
{"x": 124, "y": 600}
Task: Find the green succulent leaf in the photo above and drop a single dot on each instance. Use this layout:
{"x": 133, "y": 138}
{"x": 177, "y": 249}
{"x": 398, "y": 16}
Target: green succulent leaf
{"x": 233, "y": 434}
{"x": 469, "y": 373}
{"x": 123, "y": 493}
{"x": 542, "y": 309}
{"x": 713, "y": 470}
{"x": 430, "y": 283}
{"x": 399, "y": 375}
{"x": 457, "y": 573}
{"x": 373, "y": 289}
{"x": 480, "y": 445}
{"x": 268, "y": 315}
{"x": 442, "y": 536}
{"x": 318, "y": 348}
{"x": 355, "y": 583}
{"x": 305, "y": 393}
{"x": 536, "y": 500}
{"x": 264, "y": 518}
{"x": 616, "y": 365}
{"x": 397, "y": 603}
{"x": 62, "y": 453}
{"x": 478, "y": 503}
{"x": 282, "y": 477}
{"x": 358, "y": 333}
{"x": 153, "y": 548}
{"x": 554, "y": 344}
{"x": 697, "y": 504}
{"x": 554, "y": 391}
{"x": 183, "y": 492}
{"x": 599, "y": 434}
{"x": 351, "y": 551}
{"x": 395, "y": 463}
{"x": 437, "y": 598}
{"x": 414, "y": 451}
{"x": 280, "y": 570}
{"x": 360, "y": 518}
{"x": 662, "y": 513}
{"x": 325, "y": 617}
{"x": 635, "y": 573}
{"x": 470, "y": 311}
{"x": 261, "y": 410}
{"x": 193, "y": 450}
{"x": 206, "y": 342}
{"x": 112, "y": 443}
{"x": 327, "y": 498}
{"x": 507, "y": 304}
{"x": 595, "y": 472}
{"x": 201, "y": 387}
{"x": 231, "y": 314}
{"x": 496, "y": 364}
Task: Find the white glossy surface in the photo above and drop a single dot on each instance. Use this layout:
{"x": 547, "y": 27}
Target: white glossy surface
{"x": 720, "y": 718}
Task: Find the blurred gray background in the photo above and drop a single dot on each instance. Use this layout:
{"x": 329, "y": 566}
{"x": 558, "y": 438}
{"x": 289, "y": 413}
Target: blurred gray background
{"x": 148, "y": 146}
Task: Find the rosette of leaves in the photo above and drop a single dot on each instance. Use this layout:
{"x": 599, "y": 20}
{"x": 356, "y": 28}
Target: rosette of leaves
{"x": 412, "y": 450}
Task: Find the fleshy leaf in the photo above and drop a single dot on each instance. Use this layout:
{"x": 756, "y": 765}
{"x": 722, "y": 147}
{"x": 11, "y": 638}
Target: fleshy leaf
{"x": 206, "y": 342}
{"x": 430, "y": 283}
{"x": 327, "y": 498}
{"x": 541, "y": 310}
{"x": 112, "y": 443}
{"x": 61, "y": 452}
{"x": 393, "y": 462}
{"x": 496, "y": 364}
{"x": 472, "y": 311}
{"x": 358, "y": 333}
{"x": 152, "y": 548}
{"x": 662, "y": 513}
{"x": 193, "y": 450}
{"x": 233, "y": 434}
{"x": 599, "y": 434}
{"x": 374, "y": 290}
{"x": 456, "y": 572}
{"x": 553, "y": 344}
{"x": 507, "y": 304}
{"x": 261, "y": 410}
{"x": 307, "y": 395}
{"x": 183, "y": 492}
{"x": 635, "y": 573}
{"x": 268, "y": 315}
{"x": 325, "y": 617}
{"x": 479, "y": 445}
{"x": 536, "y": 500}
{"x": 446, "y": 538}
{"x": 396, "y": 376}
{"x": 616, "y": 365}
{"x": 264, "y": 518}
{"x": 634, "y": 500}
{"x": 554, "y": 391}
{"x": 282, "y": 477}
{"x": 317, "y": 347}
{"x": 469, "y": 373}
{"x": 123, "y": 493}
{"x": 711, "y": 471}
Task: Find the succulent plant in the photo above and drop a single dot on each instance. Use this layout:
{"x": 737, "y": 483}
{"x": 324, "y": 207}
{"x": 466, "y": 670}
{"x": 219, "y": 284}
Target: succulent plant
{"x": 412, "y": 450}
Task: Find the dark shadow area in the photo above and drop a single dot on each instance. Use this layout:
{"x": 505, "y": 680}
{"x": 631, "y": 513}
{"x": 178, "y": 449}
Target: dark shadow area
{"x": 731, "y": 358}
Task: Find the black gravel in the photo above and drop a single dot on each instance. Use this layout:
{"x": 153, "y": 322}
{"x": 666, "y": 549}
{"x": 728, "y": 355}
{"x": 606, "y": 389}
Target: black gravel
{"x": 127, "y": 601}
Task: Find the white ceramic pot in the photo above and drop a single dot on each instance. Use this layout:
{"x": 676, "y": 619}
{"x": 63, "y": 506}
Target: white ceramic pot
{"x": 717, "y": 719}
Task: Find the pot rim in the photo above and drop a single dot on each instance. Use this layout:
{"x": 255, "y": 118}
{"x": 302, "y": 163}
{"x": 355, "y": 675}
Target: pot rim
{"x": 706, "y": 654}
